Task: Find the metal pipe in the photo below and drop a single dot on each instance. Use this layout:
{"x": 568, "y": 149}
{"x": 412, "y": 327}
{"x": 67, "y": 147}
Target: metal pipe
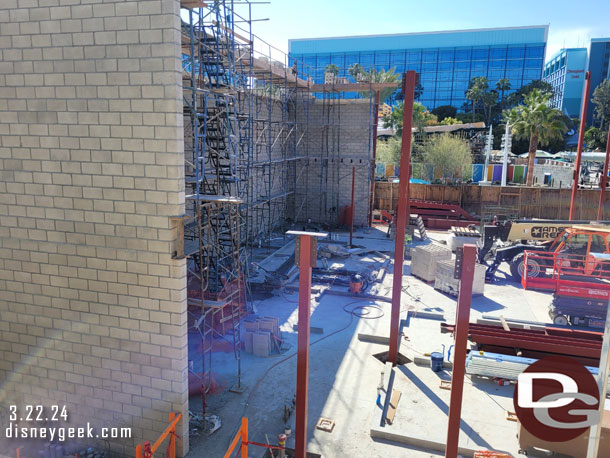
{"x": 402, "y": 212}
{"x": 467, "y": 264}
{"x": 372, "y": 196}
{"x": 604, "y": 181}
{"x": 581, "y": 138}
{"x": 351, "y": 223}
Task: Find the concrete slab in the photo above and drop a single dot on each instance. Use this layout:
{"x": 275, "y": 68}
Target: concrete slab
{"x": 422, "y": 415}
{"x": 344, "y": 374}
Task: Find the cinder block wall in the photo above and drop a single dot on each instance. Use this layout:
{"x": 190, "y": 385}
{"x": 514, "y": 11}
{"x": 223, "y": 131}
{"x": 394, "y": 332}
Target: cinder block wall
{"x": 92, "y": 307}
{"x": 336, "y": 141}
{"x": 561, "y": 176}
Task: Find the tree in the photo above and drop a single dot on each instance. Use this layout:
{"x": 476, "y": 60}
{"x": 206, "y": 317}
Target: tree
{"x": 601, "y": 99}
{"x": 489, "y": 101}
{"x": 479, "y": 94}
{"x": 380, "y": 76}
{"x": 477, "y": 88}
{"x": 595, "y": 138}
{"x": 449, "y": 155}
{"x": 332, "y": 68}
{"x": 503, "y": 84}
{"x": 388, "y": 151}
{"x": 536, "y": 121}
{"x": 444, "y": 111}
{"x": 356, "y": 71}
{"x": 448, "y": 121}
{"x": 421, "y": 118}
{"x": 517, "y": 98}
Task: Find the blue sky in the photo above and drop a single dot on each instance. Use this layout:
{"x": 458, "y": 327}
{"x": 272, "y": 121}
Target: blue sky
{"x": 569, "y": 25}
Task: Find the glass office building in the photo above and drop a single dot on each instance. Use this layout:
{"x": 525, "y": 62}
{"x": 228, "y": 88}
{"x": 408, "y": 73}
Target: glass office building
{"x": 565, "y": 71}
{"x": 445, "y": 61}
{"x": 599, "y": 65}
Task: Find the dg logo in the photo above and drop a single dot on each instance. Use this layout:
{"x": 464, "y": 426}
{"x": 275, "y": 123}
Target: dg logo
{"x": 556, "y": 399}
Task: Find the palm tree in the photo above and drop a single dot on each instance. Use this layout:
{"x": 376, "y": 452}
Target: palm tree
{"x": 356, "y": 71}
{"x": 502, "y": 85}
{"x": 381, "y": 76}
{"x": 538, "y": 122}
{"x": 421, "y": 118}
{"x": 477, "y": 91}
{"x": 332, "y": 68}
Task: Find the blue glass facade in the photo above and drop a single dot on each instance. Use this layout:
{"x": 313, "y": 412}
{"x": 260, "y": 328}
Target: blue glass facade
{"x": 599, "y": 66}
{"x": 445, "y": 61}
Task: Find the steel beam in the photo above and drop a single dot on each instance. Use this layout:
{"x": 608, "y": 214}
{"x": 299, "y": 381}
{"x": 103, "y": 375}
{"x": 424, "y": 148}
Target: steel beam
{"x": 353, "y": 210}
{"x": 372, "y": 195}
{"x": 467, "y": 264}
{"x": 402, "y": 212}
{"x": 535, "y": 340}
{"x": 306, "y": 260}
{"x": 602, "y": 191}
{"x": 581, "y": 138}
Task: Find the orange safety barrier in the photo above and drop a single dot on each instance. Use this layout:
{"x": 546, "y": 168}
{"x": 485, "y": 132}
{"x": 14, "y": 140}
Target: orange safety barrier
{"x": 147, "y": 451}
{"x": 241, "y": 436}
{"x": 567, "y": 274}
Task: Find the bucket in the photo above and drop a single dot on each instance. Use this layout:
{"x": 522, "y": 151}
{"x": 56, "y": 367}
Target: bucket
{"x": 436, "y": 361}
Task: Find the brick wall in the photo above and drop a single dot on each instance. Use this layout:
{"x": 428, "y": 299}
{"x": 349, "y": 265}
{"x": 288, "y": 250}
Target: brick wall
{"x": 337, "y": 140}
{"x": 92, "y": 307}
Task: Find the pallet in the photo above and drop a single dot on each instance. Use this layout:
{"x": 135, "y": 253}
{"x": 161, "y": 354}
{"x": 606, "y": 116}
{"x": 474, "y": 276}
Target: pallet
{"x": 465, "y": 232}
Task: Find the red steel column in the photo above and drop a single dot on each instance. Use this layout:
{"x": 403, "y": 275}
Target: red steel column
{"x": 351, "y": 223}
{"x": 402, "y": 212}
{"x": 307, "y": 258}
{"x": 372, "y": 195}
{"x": 602, "y": 192}
{"x": 469, "y": 255}
{"x": 581, "y": 138}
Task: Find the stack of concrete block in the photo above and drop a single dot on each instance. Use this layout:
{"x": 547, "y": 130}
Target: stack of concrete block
{"x": 424, "y": 260}
{"x": 446, "y": 282}
{"x": 261, "y": 335}
{"x": 261, "y": 344}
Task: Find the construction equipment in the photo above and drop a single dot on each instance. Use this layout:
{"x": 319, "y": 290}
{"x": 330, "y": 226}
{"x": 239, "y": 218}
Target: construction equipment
{"x": 356, "y": 284}
{"x": 536, "y": 235}
{"x": 580, "y": 284}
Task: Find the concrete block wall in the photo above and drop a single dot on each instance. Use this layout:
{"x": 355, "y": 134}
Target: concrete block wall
{"x": 337, "y": 139}
{"x": 562, "y": 176}
{"x": 92, "y": 307}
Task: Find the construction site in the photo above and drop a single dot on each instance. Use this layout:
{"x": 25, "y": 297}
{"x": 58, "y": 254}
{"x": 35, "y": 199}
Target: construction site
{"x": 194, "y": 248}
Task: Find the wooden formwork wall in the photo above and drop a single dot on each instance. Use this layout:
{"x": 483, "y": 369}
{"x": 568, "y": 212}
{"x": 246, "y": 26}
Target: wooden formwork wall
{"x": 530, "y": 202}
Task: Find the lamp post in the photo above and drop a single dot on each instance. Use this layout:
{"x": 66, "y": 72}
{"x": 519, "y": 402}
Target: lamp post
{"x": 505, "y": 159}
{"x": 487, "y": 153}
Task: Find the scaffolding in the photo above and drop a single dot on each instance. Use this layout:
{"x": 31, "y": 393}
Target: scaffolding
{"x": 247, "y": 142}
{"x": 241, "y": 153}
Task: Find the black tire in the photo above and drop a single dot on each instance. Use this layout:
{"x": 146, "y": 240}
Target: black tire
{"x": 516, "y": 267}
{"x": 561, "y": 320}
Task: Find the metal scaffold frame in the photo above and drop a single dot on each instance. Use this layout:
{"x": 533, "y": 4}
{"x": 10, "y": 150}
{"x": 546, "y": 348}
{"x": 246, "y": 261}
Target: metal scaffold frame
{"x": 241, "y": 153}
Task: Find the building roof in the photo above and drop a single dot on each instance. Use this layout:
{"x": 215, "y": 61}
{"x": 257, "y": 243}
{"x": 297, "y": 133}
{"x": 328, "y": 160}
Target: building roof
{"x": 452, "y": 127}
{"x": 438, "y": 39}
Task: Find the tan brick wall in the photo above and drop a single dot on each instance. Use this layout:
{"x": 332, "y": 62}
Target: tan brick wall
{"x": 92, "y": 307}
